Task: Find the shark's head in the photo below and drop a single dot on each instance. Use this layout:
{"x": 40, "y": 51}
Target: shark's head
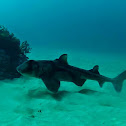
{"x": 28, "y": 68}
{"x": 33, "y": 68}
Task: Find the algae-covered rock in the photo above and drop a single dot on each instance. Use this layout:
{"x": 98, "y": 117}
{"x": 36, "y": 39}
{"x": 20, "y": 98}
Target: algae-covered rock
{"x": 12, "y": 53}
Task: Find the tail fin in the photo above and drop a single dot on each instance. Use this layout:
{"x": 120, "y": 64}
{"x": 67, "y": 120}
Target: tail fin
{"x": 118, "y": 81}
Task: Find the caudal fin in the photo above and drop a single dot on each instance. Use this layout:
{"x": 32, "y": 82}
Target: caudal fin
{"x": 118, "y": 81}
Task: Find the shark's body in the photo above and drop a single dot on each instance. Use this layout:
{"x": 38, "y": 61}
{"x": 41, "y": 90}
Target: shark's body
{"x": 54, "y": 71}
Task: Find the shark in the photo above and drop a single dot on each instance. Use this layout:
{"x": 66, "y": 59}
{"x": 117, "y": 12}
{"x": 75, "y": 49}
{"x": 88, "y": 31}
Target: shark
{"x": 52, "y": 72}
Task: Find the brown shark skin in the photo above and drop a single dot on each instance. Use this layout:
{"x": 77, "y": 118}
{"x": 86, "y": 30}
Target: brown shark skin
{"x": 54, "y": 71}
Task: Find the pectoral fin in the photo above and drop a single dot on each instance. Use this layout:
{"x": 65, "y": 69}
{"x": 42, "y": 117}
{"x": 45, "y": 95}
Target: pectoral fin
{"x": 52, "y": 84}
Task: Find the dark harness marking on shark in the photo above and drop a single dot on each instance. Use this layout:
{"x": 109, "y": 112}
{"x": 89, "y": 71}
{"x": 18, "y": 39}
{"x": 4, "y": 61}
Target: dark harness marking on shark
{"x": 54, "y": 71}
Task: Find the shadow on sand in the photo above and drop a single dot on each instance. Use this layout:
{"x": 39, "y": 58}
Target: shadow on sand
{"x": 88, "y": 91}
{"x": 40, "y": 94}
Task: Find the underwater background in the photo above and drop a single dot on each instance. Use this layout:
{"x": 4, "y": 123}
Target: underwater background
{"x": 91, "y": 32}
{"x": 87, "y": 25}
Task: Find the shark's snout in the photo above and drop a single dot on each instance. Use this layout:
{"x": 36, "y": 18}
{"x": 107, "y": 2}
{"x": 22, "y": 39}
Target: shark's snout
{"x": 26, "y": 68}
{"x": 19, "y": 69}
{"x": 22, "y": 68}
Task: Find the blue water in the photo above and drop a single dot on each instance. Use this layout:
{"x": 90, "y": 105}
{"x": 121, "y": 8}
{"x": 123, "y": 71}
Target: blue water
{"x": 96, "y": 26}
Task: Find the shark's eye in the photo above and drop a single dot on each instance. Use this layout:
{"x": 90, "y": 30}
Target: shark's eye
{"x": 33, "y": 65}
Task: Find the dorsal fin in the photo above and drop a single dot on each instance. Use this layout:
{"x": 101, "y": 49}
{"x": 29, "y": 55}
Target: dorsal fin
{"x": 63, "y": 59}
{"x": 95, "y": 69}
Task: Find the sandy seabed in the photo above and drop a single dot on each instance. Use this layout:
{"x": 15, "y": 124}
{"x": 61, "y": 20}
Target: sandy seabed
{"x": 27, "y": 102}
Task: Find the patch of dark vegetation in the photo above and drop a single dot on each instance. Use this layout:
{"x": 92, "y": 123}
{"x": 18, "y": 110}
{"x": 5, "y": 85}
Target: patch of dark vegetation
{"x": 12, "y": 53}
